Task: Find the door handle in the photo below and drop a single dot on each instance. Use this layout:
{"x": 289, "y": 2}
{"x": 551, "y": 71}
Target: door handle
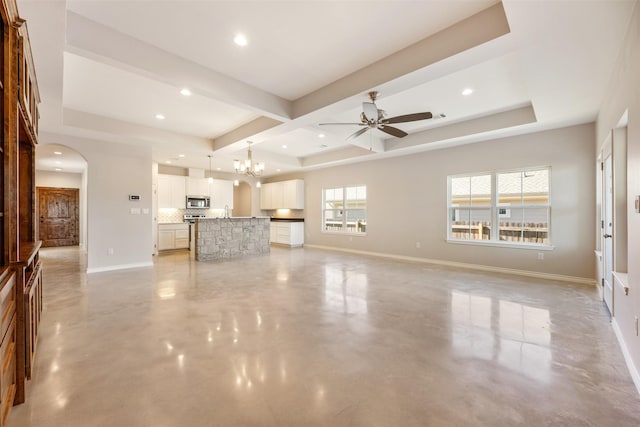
{"x": 607, "y": 236}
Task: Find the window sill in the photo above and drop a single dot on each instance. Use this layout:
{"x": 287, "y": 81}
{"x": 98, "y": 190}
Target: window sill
{"x": 510, "y": 245}
{"x": 343, "y": 233}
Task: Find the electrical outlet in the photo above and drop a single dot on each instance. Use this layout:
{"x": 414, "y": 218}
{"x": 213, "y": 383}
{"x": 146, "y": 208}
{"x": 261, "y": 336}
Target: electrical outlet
{"x": 540, "y": 256}
{"x": 110, "y": 251}
{"x": 418, "y": 245}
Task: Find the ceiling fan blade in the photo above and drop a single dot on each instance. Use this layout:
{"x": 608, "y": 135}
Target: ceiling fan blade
{"x": 408, "y": 118}
{"x": 393, "y": 131}
{"x": 357, "y": 134}
{"x": 350, "y": 124}
{"x": 370, "y": 111}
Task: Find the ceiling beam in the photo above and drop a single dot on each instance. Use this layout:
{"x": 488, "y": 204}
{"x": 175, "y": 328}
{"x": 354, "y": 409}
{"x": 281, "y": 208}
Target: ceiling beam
{"x": 110, "y": 129}
{"x": 469, "y": 33}
{"x": 119, "y": 50}
{"x": 472, "y": 128}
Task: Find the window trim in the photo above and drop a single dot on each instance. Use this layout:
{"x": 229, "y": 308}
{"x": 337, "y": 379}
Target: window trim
{"x": 344, "y": 230}
{"x": 494, "y": 212}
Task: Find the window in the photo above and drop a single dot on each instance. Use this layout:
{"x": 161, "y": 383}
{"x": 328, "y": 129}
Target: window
{"x": 344, "y": 209}
{"x": 501, "y": 207}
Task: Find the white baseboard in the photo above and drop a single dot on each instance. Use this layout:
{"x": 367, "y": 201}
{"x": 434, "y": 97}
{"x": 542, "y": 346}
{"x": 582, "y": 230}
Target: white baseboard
{"x": 627, "y": 356}
{"x": 119, "y": 267}
{"x": 527, "y": 273}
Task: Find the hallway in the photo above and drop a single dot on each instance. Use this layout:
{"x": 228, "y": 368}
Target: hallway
{"x": 313, "y": 338}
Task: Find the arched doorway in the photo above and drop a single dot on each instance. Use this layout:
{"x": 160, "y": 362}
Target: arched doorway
{"x": 61, "y": 189}
{"x": 242, "y": 199}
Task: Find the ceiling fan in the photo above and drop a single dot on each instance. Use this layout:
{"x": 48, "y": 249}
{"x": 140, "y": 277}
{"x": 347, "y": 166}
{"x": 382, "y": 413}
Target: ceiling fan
{"x": 374, "y": 118}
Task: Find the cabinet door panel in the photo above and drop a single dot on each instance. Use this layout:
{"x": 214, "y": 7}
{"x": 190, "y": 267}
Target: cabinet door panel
{"x": 164, "y": 191}
{"x": 197, "y": 187}
{"x": 166, "y": 239}
{"x": 221, "y": 193}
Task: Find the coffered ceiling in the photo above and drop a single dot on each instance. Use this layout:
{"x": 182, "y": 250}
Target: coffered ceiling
{"x": 107, "y": 68}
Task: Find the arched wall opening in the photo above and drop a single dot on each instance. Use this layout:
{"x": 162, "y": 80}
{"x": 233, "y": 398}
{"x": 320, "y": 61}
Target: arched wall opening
{"x": 242, "y": 199}
{"x": 61, "y": 167}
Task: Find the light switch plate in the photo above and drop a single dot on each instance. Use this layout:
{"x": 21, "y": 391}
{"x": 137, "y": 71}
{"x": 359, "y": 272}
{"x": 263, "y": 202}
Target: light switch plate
{"x": 135, "y": 211}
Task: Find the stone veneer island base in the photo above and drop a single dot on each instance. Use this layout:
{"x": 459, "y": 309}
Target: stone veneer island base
{"x": 220, "y": 238}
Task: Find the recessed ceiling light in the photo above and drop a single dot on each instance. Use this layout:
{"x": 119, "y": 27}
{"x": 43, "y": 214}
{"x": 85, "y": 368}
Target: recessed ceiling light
{"x": 277, "y": 170}
{"x": 160, "y": 116}
{"x": 168, "y": 161}
{"x": 321, "y": 135}
{"x": 58, "y": 162}
{"x": 58, "y": 169}
{"x": 185, "y": 92}
{"x": 218, "y": 169}
{"x": 284, "y": 146}
{"x": 467, "y": 91}
{"x": 57, "y": 152}
{"x": 240, "y": 40}
{"x": 180, "y": 155}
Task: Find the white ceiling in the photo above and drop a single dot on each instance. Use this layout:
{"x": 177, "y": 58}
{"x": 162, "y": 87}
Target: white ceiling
{"x": 104, "y": 63}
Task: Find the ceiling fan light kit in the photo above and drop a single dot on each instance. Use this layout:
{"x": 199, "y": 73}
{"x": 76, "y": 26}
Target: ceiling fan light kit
{"x": 374, "y": 118}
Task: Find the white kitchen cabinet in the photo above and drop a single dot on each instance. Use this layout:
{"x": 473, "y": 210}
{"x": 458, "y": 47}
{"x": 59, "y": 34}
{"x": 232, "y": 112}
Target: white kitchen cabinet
{"x": 293, "y": 194}
{"x": 173, "y": 236}
{"x": 171, "y": 191}
{"x": 282, "y": 195}
{"x": 197, "y": 187}
{"x": 221, "y": 193}
{"x": 287, "y": 233}
{"x": 166, "y": 239}
{"x": 266, "y": 196}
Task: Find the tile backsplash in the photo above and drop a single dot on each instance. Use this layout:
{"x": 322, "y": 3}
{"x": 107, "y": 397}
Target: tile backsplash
{"x": 176, "y": 215}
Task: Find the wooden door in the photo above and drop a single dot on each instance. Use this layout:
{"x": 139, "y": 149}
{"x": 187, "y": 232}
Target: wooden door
{"x": 59, "y": 217}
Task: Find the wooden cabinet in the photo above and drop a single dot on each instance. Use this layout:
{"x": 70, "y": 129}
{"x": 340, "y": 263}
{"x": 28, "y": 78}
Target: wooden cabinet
{"x": 287, "y": 233}
{"x": 8, "y": 335}
{"x": 282, "y": 195}
{"x": 171, "y": 191}
{"x": 173, "y": 236}
{"x": 20, "y": 269}
{"x": 33, "y": 310}
{"x": 197, "y": 187}
{"x": 221, "y": 193}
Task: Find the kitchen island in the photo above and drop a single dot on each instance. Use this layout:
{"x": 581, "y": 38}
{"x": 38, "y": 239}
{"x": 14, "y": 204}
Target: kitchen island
{"x": 220, "y": 238}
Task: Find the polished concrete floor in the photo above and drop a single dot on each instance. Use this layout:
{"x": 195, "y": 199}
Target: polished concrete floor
{"x": 312, "y": 338}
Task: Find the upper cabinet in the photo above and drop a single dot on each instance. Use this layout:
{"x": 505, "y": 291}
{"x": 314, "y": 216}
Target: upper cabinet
{"x": 171, "y": 191}
{"x": 197, "y": 187}
{"x": 221, "y": 193}
{"x": 282, "y": 195}
{"x": 28, "y": 95}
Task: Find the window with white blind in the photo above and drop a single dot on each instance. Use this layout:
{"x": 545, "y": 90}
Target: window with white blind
{"x": 511, "y": 207}
{"x": 344, "y": 210}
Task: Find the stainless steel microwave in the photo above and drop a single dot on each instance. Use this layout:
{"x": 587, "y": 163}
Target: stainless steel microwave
{"x": 198, "y": 202}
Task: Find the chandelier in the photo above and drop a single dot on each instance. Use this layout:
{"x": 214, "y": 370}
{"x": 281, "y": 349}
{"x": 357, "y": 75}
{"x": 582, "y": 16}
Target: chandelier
{"x": 248, "y": 167}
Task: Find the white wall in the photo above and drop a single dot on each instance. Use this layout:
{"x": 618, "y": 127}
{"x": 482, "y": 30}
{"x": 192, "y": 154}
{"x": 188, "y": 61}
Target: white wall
{"x": 58, "y": 179}
{"x": 67, "y": 180}
{"x": 407, "y": 201}
{"x": 624, "y": 93}
{"x": 114, "y": 171}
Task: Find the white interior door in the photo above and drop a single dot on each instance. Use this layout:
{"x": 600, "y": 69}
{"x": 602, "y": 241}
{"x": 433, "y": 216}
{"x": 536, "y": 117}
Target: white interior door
{"x": 607, "y": 231}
